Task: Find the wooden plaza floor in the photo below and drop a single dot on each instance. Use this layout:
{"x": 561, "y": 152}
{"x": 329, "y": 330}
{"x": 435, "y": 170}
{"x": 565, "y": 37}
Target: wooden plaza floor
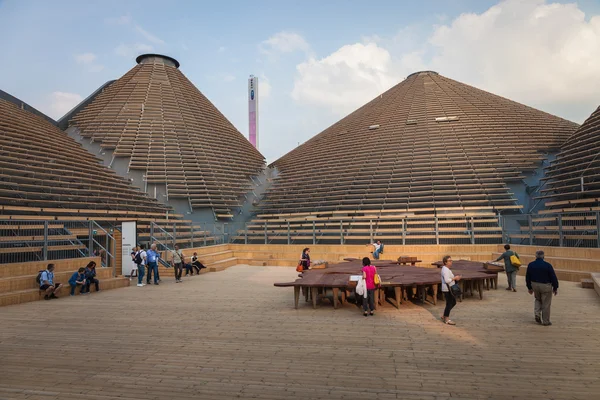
{"x": 233, "y": 335}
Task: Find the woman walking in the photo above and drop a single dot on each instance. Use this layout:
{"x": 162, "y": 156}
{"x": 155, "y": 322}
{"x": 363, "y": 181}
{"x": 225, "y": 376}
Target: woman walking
{"x": 448, "y": 279}
{"x": 369, "y": 272}
{"x": 305, "y": 259}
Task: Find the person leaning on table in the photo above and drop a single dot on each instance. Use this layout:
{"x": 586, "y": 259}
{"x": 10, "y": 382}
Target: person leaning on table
{"x": 541, "y": 282}
{"x": 511, "y": 270}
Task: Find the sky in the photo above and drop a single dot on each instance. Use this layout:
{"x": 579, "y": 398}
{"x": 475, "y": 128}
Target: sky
{"x": 317, "y": 61}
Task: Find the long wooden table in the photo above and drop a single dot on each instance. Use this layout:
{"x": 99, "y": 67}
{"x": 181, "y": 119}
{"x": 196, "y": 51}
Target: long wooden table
{"x": 399, "y": 279}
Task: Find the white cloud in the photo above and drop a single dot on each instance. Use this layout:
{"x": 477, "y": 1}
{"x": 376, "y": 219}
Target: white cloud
{"x": 345, "y": 79}
{"x": 531, "y": 51}
{"x": 85, "y": 58}
{"x": 222, "y": 49}
{"x": 130, "y": 50}
{"x": 264, "y": 87}
{"x": 62, "y": 102}
{"x": 284, "y": 42}
{"x": 538, "y": 53}
{"x": 228, "y": 78}
{"x": 148, "y": 36}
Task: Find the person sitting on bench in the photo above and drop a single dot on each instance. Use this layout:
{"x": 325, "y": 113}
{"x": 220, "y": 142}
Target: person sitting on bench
{"x": 377, "y": 249}
{"x": 196, "y": 264}
{"x": 78, "y": 279}
{"x": 90, "y": 277}
{"x": 48, "y": 285}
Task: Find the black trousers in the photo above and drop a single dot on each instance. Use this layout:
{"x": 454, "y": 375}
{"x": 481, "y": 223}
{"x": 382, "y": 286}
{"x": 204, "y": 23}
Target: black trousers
{"x": 450, "y": 303}
{"x": 178, "y": 271}
{"x": 89, "y": 282}
{"x": 369, "y": 301}
{"x": 197, "y": 265}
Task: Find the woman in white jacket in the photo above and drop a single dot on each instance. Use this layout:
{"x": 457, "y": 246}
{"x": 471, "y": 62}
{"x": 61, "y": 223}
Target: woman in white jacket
{"x": 448, "y": 279}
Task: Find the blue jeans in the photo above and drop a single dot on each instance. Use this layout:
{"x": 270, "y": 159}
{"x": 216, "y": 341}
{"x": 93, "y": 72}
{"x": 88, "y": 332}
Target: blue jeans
{"x": 141, "y": 272}
{"x": 73, "y": 287}
{"x": 376, "y": 254}
{"x": 152, "y": 266}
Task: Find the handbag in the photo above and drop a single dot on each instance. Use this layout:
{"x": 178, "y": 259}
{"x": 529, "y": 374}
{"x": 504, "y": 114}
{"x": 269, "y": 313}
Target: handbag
{"x": 455, "y": 290}
{"x": 514, "y": 260}
{"x": 299, "y": 268}
{"x": 377, "y": 279}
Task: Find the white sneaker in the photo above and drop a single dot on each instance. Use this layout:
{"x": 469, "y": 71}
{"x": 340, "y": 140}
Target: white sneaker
{"x": 140, "y": 284}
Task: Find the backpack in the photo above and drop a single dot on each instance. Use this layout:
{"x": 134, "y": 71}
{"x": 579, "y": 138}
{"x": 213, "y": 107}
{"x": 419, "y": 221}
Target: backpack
{"x": 38, "y": 278}
{"x": 514, "y": 260}
{"x": 138, "y": 257}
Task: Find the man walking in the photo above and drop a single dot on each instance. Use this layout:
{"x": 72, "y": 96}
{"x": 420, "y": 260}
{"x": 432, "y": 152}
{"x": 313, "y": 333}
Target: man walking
{"x": 152, "y": 263}
{"x": 541, "y": 282}
{"x": 177, "y": 262}
{"x": 511, "y": 270}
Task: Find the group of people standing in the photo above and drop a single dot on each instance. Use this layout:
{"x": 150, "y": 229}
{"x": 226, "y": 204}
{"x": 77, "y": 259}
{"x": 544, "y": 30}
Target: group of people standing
{"x": 147, "y": 261}
{"x": 540, "y": 279}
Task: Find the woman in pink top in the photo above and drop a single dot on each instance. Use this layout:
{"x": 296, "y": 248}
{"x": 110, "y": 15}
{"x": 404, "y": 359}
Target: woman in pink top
{"x": 369, "y": 272}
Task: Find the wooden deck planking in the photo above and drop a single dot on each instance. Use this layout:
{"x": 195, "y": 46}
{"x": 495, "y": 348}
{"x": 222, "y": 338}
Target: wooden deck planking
{"x": 233, "y": 335}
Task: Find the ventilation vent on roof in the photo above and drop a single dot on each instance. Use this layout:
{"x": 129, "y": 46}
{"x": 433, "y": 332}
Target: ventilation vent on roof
{"x": 446, "y": 119}
{"x": 372, "y": 127}
{"x": 411, "y": 122}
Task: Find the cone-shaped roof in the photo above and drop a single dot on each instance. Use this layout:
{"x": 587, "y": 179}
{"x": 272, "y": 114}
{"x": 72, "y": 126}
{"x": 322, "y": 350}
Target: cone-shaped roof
{"x": 169, "y": 130}
{"x": 579, "y": 158}
{"x": 42, "y": 167}
{"x": 428, "y": 142}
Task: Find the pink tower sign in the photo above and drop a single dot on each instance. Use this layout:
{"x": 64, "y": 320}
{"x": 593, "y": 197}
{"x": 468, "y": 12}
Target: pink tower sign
{"x": 253, "y": 110}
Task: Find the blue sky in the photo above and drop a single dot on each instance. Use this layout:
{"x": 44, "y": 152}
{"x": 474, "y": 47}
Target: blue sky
{"x": 316, "y": 60}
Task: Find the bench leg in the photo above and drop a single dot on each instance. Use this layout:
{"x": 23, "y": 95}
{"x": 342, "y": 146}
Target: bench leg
{"x": 296, "y": 296}
{"x": 336, "y": 293}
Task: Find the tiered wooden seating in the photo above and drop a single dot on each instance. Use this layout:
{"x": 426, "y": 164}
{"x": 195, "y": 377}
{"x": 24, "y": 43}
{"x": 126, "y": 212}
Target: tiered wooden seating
{"x": 169, "y": 130}
{"x": 46, "y": 175}
{"x": 428, "y": 143}
{"x": 578, "y": 159}
{"x": 409, "y": 226}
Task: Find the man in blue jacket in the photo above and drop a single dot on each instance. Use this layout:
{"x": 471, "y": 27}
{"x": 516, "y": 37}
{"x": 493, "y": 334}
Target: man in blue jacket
{"x": 152, "y": 264}
{"x": 541, "y": 281}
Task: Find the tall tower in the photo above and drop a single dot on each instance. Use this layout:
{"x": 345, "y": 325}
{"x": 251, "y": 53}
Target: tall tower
{"x": 253, "y": 110}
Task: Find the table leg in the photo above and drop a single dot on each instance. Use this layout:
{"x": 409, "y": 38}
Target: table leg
{"x": 398, "y": 295}
{"x": 462, "y": 289}
{"x": 435, "y": 293}
{"x": 314, "y": 292}
{"x": 480, "y": 288}
{"x": 344, "y": 297}
{"x": 381, "y": 296}
{"x": 296, "y": 296}
{"x": 335, "y": 297}
{"x": 305, "y": 294}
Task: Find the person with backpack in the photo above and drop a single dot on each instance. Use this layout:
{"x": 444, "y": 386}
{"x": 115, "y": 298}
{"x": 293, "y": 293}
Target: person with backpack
{"x": 177, "y": 262}
{"x": 368, "y": 273}
{"x": 78, "y": 279}
{"x": 139, "y": 259}
{"x": 511, "y": 266}
{"x": 90, "y": 277}
{"x": 47, "y": 284}
{"x": 305, "y": 259}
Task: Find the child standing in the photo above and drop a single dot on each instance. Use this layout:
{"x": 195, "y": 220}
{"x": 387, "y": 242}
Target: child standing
{"x": 78, "y": 279}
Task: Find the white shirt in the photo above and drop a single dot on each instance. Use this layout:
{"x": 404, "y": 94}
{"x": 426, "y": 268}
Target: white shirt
{"x": 447, "y": 278}
{"x": 377, "y": 246}
{"x": 143, "y": 255}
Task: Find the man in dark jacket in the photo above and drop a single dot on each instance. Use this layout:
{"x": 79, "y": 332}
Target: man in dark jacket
{"x": 541, "y": 281}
